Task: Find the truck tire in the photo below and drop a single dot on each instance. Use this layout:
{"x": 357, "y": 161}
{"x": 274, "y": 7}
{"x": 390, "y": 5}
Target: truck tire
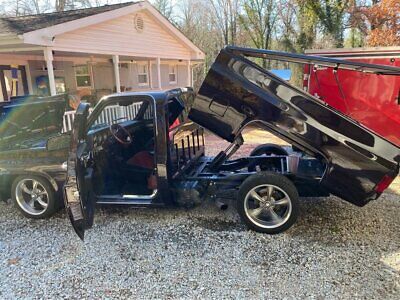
{"x": 34, "y": 196}
{"x": 268, "y": 202}
{"x": 266, "y": 149}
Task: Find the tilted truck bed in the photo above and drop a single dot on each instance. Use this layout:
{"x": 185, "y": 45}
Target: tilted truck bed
{"x": 237, "y": 92}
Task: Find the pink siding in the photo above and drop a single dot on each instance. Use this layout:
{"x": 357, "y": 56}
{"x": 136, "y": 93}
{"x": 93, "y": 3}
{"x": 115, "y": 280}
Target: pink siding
{"x": 119, "y": 36}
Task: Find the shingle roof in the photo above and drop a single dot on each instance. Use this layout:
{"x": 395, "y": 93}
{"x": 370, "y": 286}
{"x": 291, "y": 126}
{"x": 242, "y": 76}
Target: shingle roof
{"x": 22, "y": 24}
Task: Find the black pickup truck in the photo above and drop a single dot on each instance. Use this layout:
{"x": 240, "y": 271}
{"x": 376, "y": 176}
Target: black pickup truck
{"x": 165, "y": 163}
{"x": 147, "y": 149}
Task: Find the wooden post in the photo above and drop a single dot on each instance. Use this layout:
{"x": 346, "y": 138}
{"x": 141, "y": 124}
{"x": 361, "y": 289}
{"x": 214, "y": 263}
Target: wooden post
{"x": 115, "y": 59}
{"x": 48, "y": 56}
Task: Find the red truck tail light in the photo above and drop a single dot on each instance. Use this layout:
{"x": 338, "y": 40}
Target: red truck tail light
{"x": 384, "y": 183}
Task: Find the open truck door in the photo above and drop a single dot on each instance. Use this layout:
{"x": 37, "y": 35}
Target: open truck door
{"x": 78, "y": 193}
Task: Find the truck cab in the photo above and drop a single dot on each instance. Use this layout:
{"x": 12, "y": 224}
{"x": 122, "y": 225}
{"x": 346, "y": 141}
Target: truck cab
{"x": 128, "y": 150}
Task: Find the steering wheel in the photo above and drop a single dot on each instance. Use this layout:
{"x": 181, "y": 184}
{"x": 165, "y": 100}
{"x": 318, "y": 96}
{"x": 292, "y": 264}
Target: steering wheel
{"x": 116, "y": 130}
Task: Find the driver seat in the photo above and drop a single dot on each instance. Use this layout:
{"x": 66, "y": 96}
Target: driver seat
{"x": 142, "y": 163}
{"x": 143, "y": 159}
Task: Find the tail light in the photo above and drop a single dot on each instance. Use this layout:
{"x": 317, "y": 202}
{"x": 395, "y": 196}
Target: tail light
{"x": 384, "y": 183}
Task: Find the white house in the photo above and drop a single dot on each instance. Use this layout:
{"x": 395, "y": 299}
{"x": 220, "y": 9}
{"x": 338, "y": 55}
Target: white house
{"x": 94, "y": 51}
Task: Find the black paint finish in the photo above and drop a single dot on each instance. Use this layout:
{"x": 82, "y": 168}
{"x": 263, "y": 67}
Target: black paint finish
{"x": 30, "y": 140}
{"x": 236, "y": 92}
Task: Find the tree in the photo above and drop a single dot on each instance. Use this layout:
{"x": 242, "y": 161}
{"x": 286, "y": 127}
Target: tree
{"x": 299, "y": 33}
{"x": 164, "y": 7}
{"x": 380, "y": 22}
{"x": 299, "y": 24}
{"x": 194, "y": 19}
{"x": 225, "y": 18}
{"x": 331, "y": 15}
{"x": 258, "y": 20}
{"x": 60, "y": 5}
{"x": 355, "y": 38}
{"x": 24, "y": 7}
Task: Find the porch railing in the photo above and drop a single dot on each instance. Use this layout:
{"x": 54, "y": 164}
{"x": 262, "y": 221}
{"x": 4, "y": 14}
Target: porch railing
{"x": 108, "y": 115}
{"x": 68, "y": 120}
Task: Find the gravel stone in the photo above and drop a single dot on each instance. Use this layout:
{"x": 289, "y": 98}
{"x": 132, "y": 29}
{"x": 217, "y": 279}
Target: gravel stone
{"x": 335, "y": 250}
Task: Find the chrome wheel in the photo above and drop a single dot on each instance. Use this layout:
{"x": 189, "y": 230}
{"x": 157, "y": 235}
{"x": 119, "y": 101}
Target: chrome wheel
{"x": 267, "y": 206}
{"x": 31, "y": 196}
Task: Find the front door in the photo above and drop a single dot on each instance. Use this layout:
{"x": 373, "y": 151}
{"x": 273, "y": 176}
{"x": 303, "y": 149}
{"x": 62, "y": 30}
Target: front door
{"x": 78, "y": 192}
{"x": 112, "y": 158}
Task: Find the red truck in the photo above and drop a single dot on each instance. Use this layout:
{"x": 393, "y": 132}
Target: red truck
{"x": 372, "y": 100}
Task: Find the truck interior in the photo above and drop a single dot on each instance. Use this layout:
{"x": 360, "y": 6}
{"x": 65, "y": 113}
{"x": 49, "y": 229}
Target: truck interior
{"x": 122, "y": 139}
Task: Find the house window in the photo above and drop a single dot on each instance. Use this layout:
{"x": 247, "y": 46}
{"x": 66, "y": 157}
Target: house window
{"x": 172, "y": 74}
{"x": 82, "y": 76}
{"x": 143, "y": 74}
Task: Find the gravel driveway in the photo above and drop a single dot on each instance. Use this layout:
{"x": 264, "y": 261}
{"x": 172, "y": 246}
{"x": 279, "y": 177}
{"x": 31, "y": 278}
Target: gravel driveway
{"x": 334, "y": 250}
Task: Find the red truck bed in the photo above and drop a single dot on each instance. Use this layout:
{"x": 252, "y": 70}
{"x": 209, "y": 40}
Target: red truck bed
{"x": 372, "y": 100}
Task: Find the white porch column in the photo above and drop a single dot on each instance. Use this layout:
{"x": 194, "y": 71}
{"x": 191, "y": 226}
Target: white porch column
{"x": 48, "y": 56}
{"x": 115, "y": 59}
{"x": 150, "y": 74}
{"x": 159, "y": 73}
{"x": 29, "y": 78}
{"x": 189, "y": 74}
